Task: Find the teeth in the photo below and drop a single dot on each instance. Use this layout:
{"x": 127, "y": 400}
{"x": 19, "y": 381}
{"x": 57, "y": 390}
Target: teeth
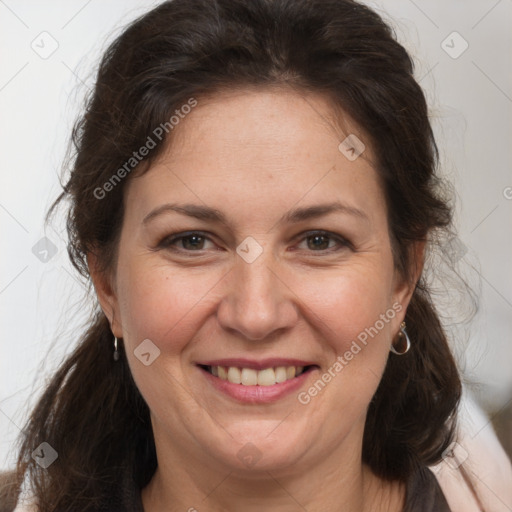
{"x": 251, "y": 377}
{"x": 266, "y": 377}
{"x": 234, "y": 375}
{"x": 280, "y": 374}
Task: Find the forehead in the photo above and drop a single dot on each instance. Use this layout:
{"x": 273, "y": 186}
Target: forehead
{"x": 261, "y": 150}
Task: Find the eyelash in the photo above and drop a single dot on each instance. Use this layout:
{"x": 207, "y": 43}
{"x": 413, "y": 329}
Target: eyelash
{"x": 169, "y": 241}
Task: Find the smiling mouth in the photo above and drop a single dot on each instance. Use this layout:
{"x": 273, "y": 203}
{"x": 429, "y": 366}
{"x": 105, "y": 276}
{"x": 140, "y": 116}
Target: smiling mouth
{"x": 251, "y": 377}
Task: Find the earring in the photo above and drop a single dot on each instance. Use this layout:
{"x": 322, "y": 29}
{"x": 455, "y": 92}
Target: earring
{"x": 116, "y": 352}
{"x": 403, "y": 337}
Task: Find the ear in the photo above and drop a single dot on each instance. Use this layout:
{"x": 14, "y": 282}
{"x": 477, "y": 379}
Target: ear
{"x": 105, "y": 291}
{"x": 404, "y": 287}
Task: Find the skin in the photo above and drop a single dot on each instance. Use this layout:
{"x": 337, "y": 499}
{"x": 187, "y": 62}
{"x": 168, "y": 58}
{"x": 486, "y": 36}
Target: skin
{"x": 254, "y": 155}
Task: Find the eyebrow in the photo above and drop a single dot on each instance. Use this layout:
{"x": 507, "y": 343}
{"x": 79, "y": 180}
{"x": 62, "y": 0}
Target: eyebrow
{"x": 191, "y": 210}
{"x": 293, "y": 216}
{"x": 313, "y": 212}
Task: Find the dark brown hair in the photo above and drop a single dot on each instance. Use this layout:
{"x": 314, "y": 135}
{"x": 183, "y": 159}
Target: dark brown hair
{"x": 92, "y": 413}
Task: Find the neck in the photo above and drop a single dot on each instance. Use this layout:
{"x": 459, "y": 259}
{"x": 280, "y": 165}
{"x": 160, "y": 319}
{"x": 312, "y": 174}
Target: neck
{"x": 182, "y": 483}
{"x": 231, "y": 494}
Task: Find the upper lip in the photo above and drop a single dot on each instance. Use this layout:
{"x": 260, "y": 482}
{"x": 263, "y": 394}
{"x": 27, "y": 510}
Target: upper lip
{"x": 256, "y": 365}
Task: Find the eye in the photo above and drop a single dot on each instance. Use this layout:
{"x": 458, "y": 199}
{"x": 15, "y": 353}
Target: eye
{"x": 323, "y": 241}
{"x": 190, "y": 242}
{"x": 197, "y": 241}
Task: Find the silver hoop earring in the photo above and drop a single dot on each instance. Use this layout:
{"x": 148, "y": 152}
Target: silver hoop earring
{"x": 116, "y": 351}
{"x": 404, "y": 340}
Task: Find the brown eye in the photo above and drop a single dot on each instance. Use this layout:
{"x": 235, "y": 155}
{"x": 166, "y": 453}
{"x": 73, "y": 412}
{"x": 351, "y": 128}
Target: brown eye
{"x": 321, "y": 241}
{"x": 186, "y": 242}
{"x": 318, "y": 242}
{"x": 192, "y": 242}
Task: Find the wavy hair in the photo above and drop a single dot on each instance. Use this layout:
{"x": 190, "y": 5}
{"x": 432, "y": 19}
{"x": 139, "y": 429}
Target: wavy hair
{"x": 92, "y": 411}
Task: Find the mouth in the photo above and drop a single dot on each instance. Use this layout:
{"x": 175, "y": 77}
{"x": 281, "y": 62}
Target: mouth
{"x": 252, "y": 377}
{"x": 257, "y": 382}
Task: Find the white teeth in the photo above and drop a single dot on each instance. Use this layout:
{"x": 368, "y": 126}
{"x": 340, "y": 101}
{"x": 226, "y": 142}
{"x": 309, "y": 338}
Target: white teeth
{"x": 280, "y": 374}
{"x": 251, "y": 377}
{"x": 234, "y": 375}
{"x": 266, "y": 377}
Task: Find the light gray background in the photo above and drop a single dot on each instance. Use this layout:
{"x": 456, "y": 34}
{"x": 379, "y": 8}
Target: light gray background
{"x": 41, "y": 303}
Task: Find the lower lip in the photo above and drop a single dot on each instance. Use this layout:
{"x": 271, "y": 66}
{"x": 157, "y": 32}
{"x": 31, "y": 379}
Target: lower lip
{"x": 257, "y": 394}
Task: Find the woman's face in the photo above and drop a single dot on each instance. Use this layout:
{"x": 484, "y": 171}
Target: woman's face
{"x": 254, "y": 247}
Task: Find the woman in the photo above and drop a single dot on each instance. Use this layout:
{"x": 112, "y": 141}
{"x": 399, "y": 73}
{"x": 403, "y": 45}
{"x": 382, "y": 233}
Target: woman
{"x": 253, "y": 196}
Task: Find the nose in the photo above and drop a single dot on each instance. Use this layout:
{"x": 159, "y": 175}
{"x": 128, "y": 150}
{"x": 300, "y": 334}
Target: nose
{"x": 258, "y": 303}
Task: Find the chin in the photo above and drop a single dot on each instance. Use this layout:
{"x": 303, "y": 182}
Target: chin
{"x": 260, "y": 446}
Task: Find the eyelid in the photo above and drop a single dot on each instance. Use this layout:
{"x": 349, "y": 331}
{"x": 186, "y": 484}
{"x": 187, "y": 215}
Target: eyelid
{"x": 168, "y": 241}
{"x": 342, "y": 241}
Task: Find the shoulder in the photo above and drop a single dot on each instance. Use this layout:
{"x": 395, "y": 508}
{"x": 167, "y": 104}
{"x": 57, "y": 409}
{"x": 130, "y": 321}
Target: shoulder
{"x": 475, "y": 473}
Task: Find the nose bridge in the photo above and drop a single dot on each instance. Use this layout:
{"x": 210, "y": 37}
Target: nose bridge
{"x": 256, "y": 304}
{"x": 256, "y": 283}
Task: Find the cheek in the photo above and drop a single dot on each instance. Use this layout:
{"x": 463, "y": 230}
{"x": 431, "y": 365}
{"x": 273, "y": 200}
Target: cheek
{"x": 354, "y": 314}
{"x": 167, "y": 305}
{"x": 162, "y": 304}
{"x": 350, "y": 303}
